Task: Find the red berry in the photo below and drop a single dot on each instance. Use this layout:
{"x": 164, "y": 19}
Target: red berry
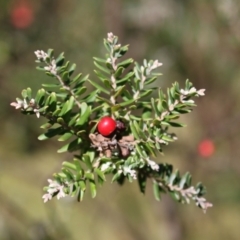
{"x": 106, "y": 126}
{"x": 206, "y": 148}
{"x": 22, "y": 16}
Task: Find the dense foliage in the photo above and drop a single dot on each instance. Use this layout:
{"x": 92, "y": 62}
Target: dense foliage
{"x": 143, "y": 124}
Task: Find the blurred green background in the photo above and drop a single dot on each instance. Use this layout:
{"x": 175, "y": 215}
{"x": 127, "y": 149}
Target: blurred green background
{"x": 199, "y": 40}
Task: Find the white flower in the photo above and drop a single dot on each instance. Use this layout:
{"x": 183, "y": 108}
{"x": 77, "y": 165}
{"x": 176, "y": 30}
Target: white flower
{"x": 32, "y": 102}
{"x": 54, "y": 187}
{"x": 37, "y": 112}
{"x": 201, "y": 92}
{"x": 153, "y": 165}
{"x": 46, "y": 197}
{"x": 109, "y": 60}
{"x": 110, "y": 37}
{"x": 25, "y": 104}
{"x": 18, "y": 104}
{"x": 61, "y": 192}
{"x": 116, "y": 47}
{"x": 131, "y": 172}
{"x": 156, "y": 64}
{"x": 183, "y": 92}
{"x": 41, "y": 55}
{"x": 188, "y": 101}
{"x": 52, "y": 68}
{"x": 135, "y": 96}
{"x": 192, "y": 90}
{"x": 53, "y": 184}
{"x": 105, "y": 166}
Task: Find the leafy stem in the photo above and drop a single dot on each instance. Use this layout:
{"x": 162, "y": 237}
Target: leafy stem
{"x": 141, "y": 123}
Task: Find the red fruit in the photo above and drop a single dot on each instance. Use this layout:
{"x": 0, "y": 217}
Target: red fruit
{"x": 206, "y": 148}
{"x": 106, "y": 126}
{"x": 22, "y": 16}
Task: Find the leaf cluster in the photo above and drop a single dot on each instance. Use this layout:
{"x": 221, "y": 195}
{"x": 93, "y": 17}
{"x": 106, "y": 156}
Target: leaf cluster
{"x": 125, "y": 91}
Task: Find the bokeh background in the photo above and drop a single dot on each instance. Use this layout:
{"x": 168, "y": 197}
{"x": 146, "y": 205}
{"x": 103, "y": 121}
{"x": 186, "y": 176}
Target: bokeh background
{"x": 199, "y": 40}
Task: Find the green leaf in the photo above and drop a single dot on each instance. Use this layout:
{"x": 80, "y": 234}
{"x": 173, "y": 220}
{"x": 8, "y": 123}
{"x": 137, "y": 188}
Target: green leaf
{"x": 72, "y": 69}
{"x": 87, "y": 160}
{"x": 69, "y": 165}
{"x": 146, "y": 93}
{"x": 76, "y": 78}
{"x": 68, "y": 173}
{"x": 175, "y": 124}
{"x": 100, "y": 174}
{"x": 80, "y": 194}
{"x": 99, "y": 59}
{"x": 142, "y": 179}
{"x": 62, "y": 175}
{"x": 56, "y": 112}
{"x": 66, "y": 79}
{"x": 118, "y": 91}
{"x": 154, "y": 105}
{"x": 40, "y": 96}
{"x": 93, "y": 189}
{"x": 147, "y": 114}
{"x": 107, "y": 83}
{"x": 127, "y": 77}
{"x": 82, "y": 184}
{"x": 105, "y": 100}
{"x": 125, "y": 63}
{"x": 46, "y": 125}
{"x": 77, "y": 164}
{"x": 91, "y": 154}
{"x": 175, "y": 195}
{"x": 116, "y": 176}
{"x": 97, "y": 108}
{"x": 171, "y": 116}
{"x": 29, "y": 93}
{"x": 101, "y": 68}
{"x": 51, "y": 85}
{"x": 133, "y": 117}
{"x": 67, "y": 107}
{"x": 60, "y": 60}
{"x": 89, "y": 176}
{"x": 80, "y": 91}
{"x": 91, "y": 97}
{"x": 50, "y": 133}
{"x": 101, "y": 76}
{"x": 119, "y": 72}
{"x": 106, "y": 45}
{"x": 156, "y": 191}
{"x": 150, "y": 80}
{"x": 85, "y": 113}
{"x": 184, "y": 180}
{"x": 50, "y": 52}
{"x": 126, "y": 103}
{"x": 171, "y": 100}
{"x": 62, "y": 69}
{"x": 72, "y": 146}
{"x": 40, "y": 68}
{"x": 52, "y": 102}
{"x": 139, "y": 130}
{"x": 73, "y": 119}
{"x": 97, "y": 86}
{"x": 65, "y": 137}
{"x": 123, "y": 50}
{"x": 24, "y": 93}
{"x": 174, "y": 177}
{"x": 139, "y": 150}
{"x": 134, "y": 130}
{"x": 167, "y": 138}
